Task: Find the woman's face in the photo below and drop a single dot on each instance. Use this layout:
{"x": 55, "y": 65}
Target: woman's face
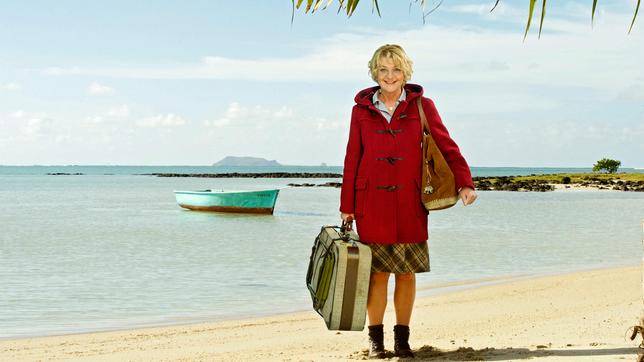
{"x": 390, "y": 77}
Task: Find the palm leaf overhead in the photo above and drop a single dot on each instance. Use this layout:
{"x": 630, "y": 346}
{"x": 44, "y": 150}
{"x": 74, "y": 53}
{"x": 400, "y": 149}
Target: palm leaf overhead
{"x": 374, "y": 5}
{"x": 592, "y": 15}
{"x": 543, "y": 15}
{"x": 527, "y": 27}
{"x": 637, "y": 7}
{"x": 349, "y": 6}
{"x": 495, "y": 4}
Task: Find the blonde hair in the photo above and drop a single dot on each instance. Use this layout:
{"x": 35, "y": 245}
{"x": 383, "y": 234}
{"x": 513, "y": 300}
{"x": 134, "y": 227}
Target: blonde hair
{"x": 396, "y": 54}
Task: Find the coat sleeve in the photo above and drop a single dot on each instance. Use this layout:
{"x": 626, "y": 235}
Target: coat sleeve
{"x": 447, "y": 146}
{"x": 351, "y": 162}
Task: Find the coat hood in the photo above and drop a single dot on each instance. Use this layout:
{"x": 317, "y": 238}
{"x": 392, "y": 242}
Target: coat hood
{"x": 365, "y": 96}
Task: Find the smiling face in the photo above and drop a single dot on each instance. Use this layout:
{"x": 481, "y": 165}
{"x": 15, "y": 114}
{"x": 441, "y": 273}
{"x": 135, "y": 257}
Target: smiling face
{"x": 389, "y": 76}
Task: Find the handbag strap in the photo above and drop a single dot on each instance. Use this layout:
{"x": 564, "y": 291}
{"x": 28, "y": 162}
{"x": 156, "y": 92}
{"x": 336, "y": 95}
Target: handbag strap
{"x": 423, "y": 117}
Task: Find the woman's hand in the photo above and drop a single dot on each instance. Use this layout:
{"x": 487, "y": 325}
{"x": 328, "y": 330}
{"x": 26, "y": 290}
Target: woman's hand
{"x": 345, "y": 217}
{"x": 467, "y": 195}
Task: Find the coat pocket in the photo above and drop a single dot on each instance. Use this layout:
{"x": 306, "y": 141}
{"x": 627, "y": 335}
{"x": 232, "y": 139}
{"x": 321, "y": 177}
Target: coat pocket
{"x": 361, "y": 195}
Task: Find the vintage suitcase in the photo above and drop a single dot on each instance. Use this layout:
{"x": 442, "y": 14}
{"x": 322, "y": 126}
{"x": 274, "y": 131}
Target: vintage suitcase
{"x": 338, "y": 278}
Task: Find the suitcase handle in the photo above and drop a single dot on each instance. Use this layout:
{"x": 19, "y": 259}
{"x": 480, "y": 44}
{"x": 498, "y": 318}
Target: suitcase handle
{"x": 347, "y": 225}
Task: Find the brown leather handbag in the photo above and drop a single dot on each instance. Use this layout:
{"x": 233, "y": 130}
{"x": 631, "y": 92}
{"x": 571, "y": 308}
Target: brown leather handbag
{"x": 438, "y": 188}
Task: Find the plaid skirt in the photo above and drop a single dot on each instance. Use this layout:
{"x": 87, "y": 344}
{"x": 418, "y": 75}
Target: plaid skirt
{"x": 400, "y": 258}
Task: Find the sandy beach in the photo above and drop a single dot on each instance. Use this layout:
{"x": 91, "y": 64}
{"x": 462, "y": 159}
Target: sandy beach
{"x": 580, "y": 316}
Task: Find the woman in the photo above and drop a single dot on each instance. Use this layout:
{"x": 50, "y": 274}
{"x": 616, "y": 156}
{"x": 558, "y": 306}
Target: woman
{"x": 381, "y": 188}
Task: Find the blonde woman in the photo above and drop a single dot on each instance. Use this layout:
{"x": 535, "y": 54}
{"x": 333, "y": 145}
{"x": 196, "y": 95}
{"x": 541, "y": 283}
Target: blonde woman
{"x": 381, "y": 188}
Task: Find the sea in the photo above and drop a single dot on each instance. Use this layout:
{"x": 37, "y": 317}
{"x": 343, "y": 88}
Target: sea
{"x": 110, "y": 249}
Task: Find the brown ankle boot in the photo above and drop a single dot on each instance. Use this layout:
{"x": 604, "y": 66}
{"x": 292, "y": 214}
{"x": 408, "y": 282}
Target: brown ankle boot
{"x": 401, "y": 342}
{"x": 376, "y": 341}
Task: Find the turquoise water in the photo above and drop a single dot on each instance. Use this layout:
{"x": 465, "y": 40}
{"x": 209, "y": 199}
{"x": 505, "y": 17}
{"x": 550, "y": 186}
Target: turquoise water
{"x": 96, "y": 252}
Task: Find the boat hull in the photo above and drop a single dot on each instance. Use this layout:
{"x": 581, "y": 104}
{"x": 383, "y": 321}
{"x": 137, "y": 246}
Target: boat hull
{"x": 234, "y": 209}
{"x": 254, "y": 202}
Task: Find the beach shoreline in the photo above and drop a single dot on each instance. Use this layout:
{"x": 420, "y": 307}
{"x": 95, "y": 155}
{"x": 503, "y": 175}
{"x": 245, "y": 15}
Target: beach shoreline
{"x": 423, "y": 290}
{"x": 558, "y": 317}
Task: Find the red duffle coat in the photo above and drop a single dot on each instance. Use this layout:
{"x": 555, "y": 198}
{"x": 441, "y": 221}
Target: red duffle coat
{"x": 381, "y": 181}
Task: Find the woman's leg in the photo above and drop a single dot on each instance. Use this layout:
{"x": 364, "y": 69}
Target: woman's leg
{"x": 376, "y": 304}
{"x": 377, "y": 301}
{"x": 404, "y": 296}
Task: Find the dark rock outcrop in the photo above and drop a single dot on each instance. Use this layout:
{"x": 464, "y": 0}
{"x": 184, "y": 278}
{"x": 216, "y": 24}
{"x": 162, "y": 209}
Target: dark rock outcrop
{"x": 250, "y": 175}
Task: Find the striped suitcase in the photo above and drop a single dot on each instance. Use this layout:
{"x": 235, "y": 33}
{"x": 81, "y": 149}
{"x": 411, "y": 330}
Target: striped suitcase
{"x": 338, "y": 278}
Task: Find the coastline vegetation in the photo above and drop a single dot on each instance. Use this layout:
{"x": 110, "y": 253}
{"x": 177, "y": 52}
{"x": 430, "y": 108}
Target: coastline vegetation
{"x": 623, "y": 181}
{"x": 581, "y": 177}
{"x": 608, "y": 165}
{"x": 549, "y": 182}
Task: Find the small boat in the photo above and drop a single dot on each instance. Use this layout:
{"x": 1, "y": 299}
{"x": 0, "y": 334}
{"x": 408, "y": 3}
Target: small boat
{"x": 255, "y": 202}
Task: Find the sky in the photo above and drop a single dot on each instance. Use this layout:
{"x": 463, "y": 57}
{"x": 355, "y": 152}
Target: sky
{"x": 190, "y": 82}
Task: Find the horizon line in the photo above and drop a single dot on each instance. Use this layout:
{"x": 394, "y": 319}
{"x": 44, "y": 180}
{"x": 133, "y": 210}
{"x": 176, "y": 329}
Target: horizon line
{"x": 260, "y": 166}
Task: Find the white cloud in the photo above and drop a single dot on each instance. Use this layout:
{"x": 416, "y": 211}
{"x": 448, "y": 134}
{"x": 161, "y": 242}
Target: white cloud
{"x": 97, "y": 88}
{"x": 10, "y": 87}
{"x": 254, "y": 117}
{"x": 62, "y": 71}
{"x": 293, "y": 136}
{"x": 324, "y": 124}
{"x": 122, "y": 111}
{"x": 503, "y": 100}
{"x": 17, "y": 114}
{"x": 550, "y": 143}
{"x": 161, "y": 120}
{"x": 117, "y": 113}
{"x": 33, "y": 126}
{"x": 221, "y": 122}
{"x": 503, "y": 10}
{"x": 634, "y": 93}
{"x": 94, "y": 120}
{"x": 283, "y": 113}
{"x": 570, "y": 53}
{"x": 27, "y": 126}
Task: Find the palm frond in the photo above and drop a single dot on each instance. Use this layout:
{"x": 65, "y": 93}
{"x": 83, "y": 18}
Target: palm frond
{"x": 431, "y": 11}
{"x": 341, "y": 6}
{"x": 543, "y": 15}
{"x": 495, "y": 4}
{"x": 317, "y": 5}
{"x": 327, "y": 4}
{"x": 527, "y": 27}
{"x": 592, "y": 14}
{"x": 637, "y": 8}
{"x": 374, "y": 5}
{"x": 309, "y": 3}
{"x": 350, "y": 6}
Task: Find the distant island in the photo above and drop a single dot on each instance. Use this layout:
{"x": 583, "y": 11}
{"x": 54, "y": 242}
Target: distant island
{"x": 246, "y": 162}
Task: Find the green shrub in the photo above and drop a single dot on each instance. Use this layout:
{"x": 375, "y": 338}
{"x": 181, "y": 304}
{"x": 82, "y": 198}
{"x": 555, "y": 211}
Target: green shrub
{"x": 606, "y": 164}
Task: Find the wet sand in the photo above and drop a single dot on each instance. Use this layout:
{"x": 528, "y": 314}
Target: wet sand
{"x": 583, "y": 316}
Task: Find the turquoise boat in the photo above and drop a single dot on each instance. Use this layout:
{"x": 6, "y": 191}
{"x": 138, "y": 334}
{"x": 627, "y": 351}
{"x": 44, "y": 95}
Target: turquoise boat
{"x": 254, "y": 202}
